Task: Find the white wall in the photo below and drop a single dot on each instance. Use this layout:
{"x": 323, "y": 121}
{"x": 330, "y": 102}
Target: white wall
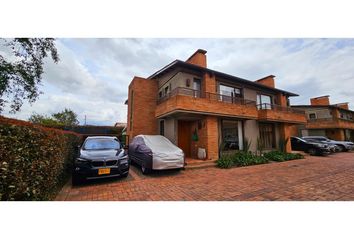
{"x": 251, "y": 133}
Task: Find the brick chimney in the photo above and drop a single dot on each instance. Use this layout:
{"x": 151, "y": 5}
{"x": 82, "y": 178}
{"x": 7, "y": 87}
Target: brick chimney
{"x": 198, "y": 58}
{"x": 267, "y": 81}
{"x": 343, "y": 105}
{"x": 323, "y": 100}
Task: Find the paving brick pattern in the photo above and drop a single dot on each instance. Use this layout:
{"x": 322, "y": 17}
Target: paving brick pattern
{"x": 313, "y": 178}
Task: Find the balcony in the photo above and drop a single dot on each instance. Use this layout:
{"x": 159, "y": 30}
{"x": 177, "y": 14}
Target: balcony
{"x": 323, "y": 123}
{"x": 193, "y": 101}
{"x": 277, "y": 113}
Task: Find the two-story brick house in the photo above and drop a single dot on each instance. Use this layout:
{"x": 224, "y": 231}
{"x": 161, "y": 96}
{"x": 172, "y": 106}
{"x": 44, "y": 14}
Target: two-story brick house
{"x": 197, "y": 107}
{"x": 336, "y": 121}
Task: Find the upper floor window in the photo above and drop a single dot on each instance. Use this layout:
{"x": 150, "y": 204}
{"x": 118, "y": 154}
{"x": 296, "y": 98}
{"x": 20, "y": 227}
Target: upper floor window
{"x": 264, "y": 101}
{"x": 230, "y": 91}
{"x": 312, "y": 116}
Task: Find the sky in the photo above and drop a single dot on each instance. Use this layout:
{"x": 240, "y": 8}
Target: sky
{"x": 93, "y": 75}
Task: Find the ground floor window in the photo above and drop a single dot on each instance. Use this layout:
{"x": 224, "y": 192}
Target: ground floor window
{"x": 267, "y": 135}
{"x": 231, "y": 131}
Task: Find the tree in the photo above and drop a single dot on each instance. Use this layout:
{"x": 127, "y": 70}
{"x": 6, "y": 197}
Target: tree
{"x": 21, "y": 74}
{"x": 42, "y": 119}
{"x": 66, "y": 117}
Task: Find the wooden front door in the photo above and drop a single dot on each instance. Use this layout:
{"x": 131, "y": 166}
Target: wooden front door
{"x": 184, "y": 137}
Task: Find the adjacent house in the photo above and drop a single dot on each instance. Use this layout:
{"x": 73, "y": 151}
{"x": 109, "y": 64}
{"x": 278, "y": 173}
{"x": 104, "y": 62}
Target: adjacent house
{"x": 335, "y": 121}
{"x": 200, "y": 108}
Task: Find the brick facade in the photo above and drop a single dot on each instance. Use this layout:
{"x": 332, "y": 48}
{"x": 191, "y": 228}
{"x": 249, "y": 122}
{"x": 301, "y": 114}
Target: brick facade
{"x": 267, "y": 81}
{"x": 202, "y": 110}
{"x": 142, "y": 99}
{"x": 323, "y": 100}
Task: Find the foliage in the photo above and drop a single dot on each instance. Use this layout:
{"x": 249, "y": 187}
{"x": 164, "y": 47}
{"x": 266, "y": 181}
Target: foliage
{"x": 246, "y": 145}
{"x": 260, "y": 146}
{"x": 240, "y": 159}
{"x": 34, "y": 161}
{"x": 279, "y": 156}
{"x": 42, "y": 119}
{"x": 67, "y": 117}
{"x": 225, "y": 161}
{"x": 21, "y": 73}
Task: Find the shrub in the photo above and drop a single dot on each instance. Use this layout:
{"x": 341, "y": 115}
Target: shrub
{"x": 247, "y": 158}
{"x": 240, "y": 159}
{"x": 34, "y": 161}
{"x": 279, "y": 156}
{"x": 225, "y": 161}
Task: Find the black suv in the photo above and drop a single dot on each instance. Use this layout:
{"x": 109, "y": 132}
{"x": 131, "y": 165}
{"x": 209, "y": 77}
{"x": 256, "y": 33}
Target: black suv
{"x": 100, "y": 157}
{"x": 313, "y": 148}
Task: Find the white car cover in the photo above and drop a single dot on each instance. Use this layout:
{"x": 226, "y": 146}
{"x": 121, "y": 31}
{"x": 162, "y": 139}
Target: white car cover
{"x": 164, "y": 153}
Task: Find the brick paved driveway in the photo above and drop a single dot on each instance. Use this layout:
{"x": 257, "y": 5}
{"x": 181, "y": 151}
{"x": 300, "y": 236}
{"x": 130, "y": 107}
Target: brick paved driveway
{"x": 313, "y": 178}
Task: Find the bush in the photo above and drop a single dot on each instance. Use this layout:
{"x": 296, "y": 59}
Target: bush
{"x": 34, "y": 161}
{"x": 225, "y": 161}
{"x": 240, "y": 159}
{"x": 279, "y": 156}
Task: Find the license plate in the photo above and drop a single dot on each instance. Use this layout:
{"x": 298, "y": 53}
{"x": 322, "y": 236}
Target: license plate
{"x": 102, "y": 171}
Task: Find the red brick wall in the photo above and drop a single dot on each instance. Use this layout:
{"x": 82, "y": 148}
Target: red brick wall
{"x": 285, "y": 133}
{"x": 144, "y": 105}
{"x": 198, "y": 58}
{"x": 212, "y": 137}
{"x": 209, "y": 83}
{"x": 206, "y": 106}
{"x": 320, "y": 101}
{"x": 335, "y": 134}
{"x": 267, "y": 81}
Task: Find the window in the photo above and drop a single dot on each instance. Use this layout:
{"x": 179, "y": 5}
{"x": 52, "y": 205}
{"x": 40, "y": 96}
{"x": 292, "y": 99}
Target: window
{"x": 312, "y": 116}
{"x": 266, "y": 135}
{"x": 197, "y": 87}
{"x": 166, "y": 91}
{"x": 264, "y": 101}
{"x": 160, "y": 94}
{"x": 228, "y": 94}
{"x": 101, "y": 143}
{"x": 162, "y": 127}
{"x": 231, "y": 135}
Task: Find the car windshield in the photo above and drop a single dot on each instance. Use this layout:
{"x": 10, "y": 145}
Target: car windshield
{"x": 101, "y": 144}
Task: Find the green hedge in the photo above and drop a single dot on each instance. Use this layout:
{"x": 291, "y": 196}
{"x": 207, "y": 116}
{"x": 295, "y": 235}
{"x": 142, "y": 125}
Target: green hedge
{"x": 240, "y": 159}
{"x": 279, "y": 156}
{"x": 243, "y": 158}
{"x": 34, "y": 161}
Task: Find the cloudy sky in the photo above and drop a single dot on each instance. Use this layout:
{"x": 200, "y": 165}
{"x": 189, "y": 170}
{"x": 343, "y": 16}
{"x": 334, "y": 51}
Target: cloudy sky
{"x": 93, "y": 75}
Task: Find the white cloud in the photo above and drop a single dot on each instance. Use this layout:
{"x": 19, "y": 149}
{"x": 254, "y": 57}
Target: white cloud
{"x": 93, "y": 75}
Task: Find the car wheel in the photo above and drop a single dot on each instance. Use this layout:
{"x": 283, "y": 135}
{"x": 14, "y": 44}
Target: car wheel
{"x": 312, "y": 151}
{"x": 144, "y": 170}
{"x": 76, "y": 180}
{"x": 340, "y": 148}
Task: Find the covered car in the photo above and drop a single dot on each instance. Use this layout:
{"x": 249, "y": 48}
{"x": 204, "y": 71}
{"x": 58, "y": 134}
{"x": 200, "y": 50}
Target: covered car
{"x": 155, "y": 152}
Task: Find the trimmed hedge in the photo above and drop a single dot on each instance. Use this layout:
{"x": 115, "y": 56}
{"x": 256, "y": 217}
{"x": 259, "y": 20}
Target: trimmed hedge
{"x": 34, "y": 161}
{"x": 279, "y": 156}
{"x": 240, "y": 159}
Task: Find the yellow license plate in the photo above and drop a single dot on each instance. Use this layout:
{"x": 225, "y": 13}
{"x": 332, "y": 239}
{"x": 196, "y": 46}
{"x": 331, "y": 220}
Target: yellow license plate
{"x": 102, "y": 171}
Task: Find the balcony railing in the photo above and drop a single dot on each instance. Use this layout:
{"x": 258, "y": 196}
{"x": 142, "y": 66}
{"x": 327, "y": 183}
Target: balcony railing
{"x": 206, "y": 95}
{"x": 276, "y": 107}
{"x": 329, "y": 119}
{"x": 320, "y": 119}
